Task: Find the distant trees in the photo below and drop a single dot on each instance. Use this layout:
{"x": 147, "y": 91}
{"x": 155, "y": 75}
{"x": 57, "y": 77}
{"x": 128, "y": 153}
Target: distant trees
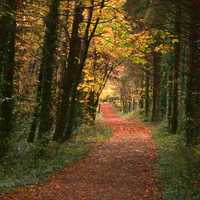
{"x": 171, "y": 67}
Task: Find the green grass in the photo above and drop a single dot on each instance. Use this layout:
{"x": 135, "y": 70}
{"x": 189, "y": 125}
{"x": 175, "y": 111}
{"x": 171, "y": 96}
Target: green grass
{"x": 178, "y": 166}
{"x": 96, "y": 133}
{"x": 131, "y": 115}
{"x": 23, "y": 167}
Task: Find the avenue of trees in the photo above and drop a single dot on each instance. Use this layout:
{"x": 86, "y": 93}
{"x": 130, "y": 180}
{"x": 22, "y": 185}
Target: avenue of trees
{"x": 57, "y": 55}
{"x": 162, "y": 75}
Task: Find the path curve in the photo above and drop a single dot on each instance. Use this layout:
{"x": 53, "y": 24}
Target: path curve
{"x": 119, "y": 169}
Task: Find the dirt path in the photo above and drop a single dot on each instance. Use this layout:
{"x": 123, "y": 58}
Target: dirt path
{"x": 119, "y": 169}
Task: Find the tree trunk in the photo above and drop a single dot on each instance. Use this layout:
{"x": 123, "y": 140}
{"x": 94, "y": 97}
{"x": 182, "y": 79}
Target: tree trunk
{"x": 193, "y": 85}
{"x": 76, "y": 61}
{"x": 35, "y": 120}
{"x": 176, "y": 69}
{"x": 147, "y": 97}
{"x": 7, "y": 66}
{"x": 84, "y": 47}
{"x": 69, "y": 76}
{"x": 169, "y": 95}
{"x": 47, "y": 66}
{"x": 156, "y": 87}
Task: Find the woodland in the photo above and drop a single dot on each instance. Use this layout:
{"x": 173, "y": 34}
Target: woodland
{"x": 61, "y": 60}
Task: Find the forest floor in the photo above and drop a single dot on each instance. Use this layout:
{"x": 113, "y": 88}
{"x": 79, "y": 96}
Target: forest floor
{"x": 118, "y": 169}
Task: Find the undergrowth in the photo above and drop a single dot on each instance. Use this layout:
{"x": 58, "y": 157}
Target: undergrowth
{"x": 178, "y": 166}
{"x": 136, "y": 114}
{"x": 22, "y": 167}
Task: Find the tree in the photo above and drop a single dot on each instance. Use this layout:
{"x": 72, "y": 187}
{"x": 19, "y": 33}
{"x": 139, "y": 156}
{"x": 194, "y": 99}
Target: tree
{"x": 156, "y": 87}
{"x": 176, "y": 69}
{"x": 7, "y": 68}
{"x": 193, "y": 85}
{"x": 69, "y": 73}
{"x": 47, "y": 68}
{"x": 76, "y": 60}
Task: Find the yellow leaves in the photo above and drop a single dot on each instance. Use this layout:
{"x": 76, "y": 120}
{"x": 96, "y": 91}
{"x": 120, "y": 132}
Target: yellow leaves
{"x": 174, "y": 41}
{"x": 114, "y": 29}
{"x": 149, "y": 41}
{"x": 142, "y": 41}
{"x": 90, "y": 80}
{"x": 30, "y": 25}
{"x": 86, "y": 2}
{"x": 112, "y": 45}
{"x": 163, "y": 48}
